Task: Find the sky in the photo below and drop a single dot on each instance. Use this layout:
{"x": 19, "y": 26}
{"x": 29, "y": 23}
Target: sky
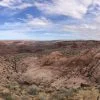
{"x": 49, "y": 19}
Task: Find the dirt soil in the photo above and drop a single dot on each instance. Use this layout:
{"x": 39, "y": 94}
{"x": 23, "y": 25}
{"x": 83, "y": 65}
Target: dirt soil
{"x": 36, "y": 69}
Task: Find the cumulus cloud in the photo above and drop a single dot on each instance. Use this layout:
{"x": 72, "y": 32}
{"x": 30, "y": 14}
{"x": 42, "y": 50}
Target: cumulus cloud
{"x": 87, "y": 30}
{"x": 39, "y": 22}
{"x": 83, "y": 16}
{"x": 27, "y": 24}
{"x": 87, "y": 11}
{"x": 73, "y": 8}
{"x": 15, "y": 4}
{"x": 22, "y": 28}
{"x": 97, "y": 19}
{"x": 13, "y": 7}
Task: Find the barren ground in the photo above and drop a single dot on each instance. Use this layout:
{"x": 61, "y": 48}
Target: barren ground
{"x": 50, "y": 70}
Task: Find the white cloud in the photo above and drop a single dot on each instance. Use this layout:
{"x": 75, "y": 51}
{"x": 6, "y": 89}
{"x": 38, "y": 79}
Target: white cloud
{"x": 8, "y": 3}
{"x": 27, "y": 24}
{"x": 42, "y": 21}
{"x": 96, "y": 2}
{"x": 22, "y": 30}
{"x": 15, "y": 4}
{"x": 87, "y": 30}
{"x": 73, "y": 8}
{"x": 97, "y": 19}
{"x": 24, "y": 5}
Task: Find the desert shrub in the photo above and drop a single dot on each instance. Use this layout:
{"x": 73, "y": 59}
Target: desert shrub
{"x": 57, "y": 96}
{"x": 63, "y": 94}
{"x": 89, "y": 94}
{"x": 33, "y": 90}
{"x": 7, "y": 96}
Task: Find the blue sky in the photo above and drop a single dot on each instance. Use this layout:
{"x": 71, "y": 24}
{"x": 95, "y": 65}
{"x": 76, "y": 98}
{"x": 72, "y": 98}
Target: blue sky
{"x": 50, "y": 19}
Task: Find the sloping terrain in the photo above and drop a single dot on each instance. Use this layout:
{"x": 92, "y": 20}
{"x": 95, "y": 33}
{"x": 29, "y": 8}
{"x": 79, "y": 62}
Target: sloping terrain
{"x": 57, "y": 70}
{"x": 37, "y": 69}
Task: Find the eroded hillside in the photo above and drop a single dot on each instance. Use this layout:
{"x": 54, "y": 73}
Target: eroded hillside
{"x": 56, "y": 70}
